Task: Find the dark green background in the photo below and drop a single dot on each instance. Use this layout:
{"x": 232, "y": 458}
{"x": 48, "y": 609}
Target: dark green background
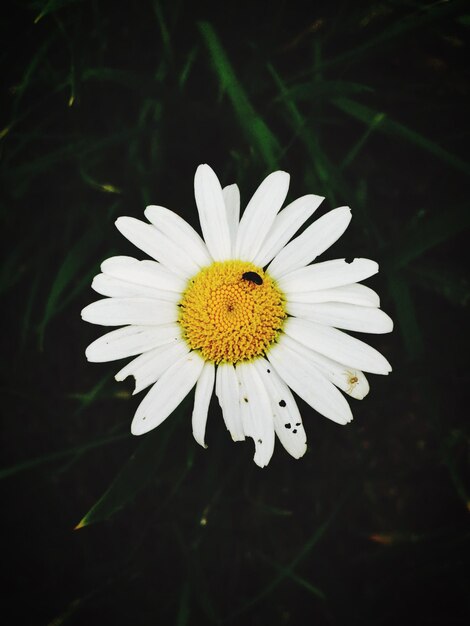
{"x": 108, "y": 107}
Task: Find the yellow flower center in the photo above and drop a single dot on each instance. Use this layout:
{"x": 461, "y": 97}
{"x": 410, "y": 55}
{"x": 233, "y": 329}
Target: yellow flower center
{"x": 231, "y": 311}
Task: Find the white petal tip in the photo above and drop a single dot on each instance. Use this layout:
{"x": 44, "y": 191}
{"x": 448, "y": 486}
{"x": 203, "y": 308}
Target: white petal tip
{"x": 299, "y": 453}
{"x": 200, "y": 440}
{"x": 138, "y": 427}
{"x": 238, "y": 437}
{"x": 89, "y": 356}
{"x": 259, "y": 463}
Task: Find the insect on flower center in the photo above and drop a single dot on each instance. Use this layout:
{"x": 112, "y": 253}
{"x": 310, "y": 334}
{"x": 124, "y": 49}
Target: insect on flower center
{"x": 231, "y": 311}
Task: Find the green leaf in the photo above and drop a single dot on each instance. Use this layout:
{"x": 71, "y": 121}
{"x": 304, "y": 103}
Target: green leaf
{"x": 68, "y": 271}
{"x": 324, "y": 89}
{"x": 329, "y": 179}
{"x": 428, "y": 232}
{"x": 51, "y": 6}
{"x": 6, "y": 472}
{"x": 464, "y": 19}
{"x": 388, "y": 126}
{"x": 446, "y": 282}
{"x": 406, "y": 314}
{"x": 286, "y": 571}
{"x": 182, "y": 618}
{"x": 254, "y": 127}
{"x": 400, "y": 26}
{"x": 134, "y": 476}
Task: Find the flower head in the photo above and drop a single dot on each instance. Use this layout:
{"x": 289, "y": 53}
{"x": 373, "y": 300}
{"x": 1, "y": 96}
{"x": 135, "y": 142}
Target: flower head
{"x": 244, "y": 310}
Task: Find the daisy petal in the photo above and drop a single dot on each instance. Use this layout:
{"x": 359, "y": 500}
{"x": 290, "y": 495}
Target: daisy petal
{"x": 157, "y": 245}
{"x": 131, "y": 340}
{"x": 362, "y": 319}
{"x": 309, "y": 383}
{"x": 212, "y": 213}
{"x": 148, "y": 273}
{"x": 202, "y": 398}
{"x": 326, "y": 275}
{"x": 120, "y": 311}
{"x": 260, "y": 214}
{"x": 226, "y": 390}
{"x": 148, "y": 367}
{"x": 231, "y": 195}
{"x": 317, "y": 238}
{"x": 337, "y": 345}
{"x": 285, "y": 225}
{"x": 117, "y": 288}
{"x": 256, "y": 412}
{"x": 167, "y": 393}
{"x": 180, "y": 232}
{"x": 351, "y": 381}
{"x": 287, "y": 421}
{"x": 350, "y": 294}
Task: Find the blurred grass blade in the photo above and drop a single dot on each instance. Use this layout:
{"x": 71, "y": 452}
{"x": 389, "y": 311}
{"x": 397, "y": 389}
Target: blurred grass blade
{"x": 136, "y": 473}
{"x": 182, "y": 618}
{"x": 68, "y": 271}
{"x": 448, "y": 283}
{"x": 388, "y": 126}
{"x": 87, "y": 398}
{"x": 288, "y": 573}
{"x": 51, "y": 6}
{"x": 254, "y": 127}
{"x": 406, "y": 315}
{"x": 324, "y": 89}
{"x": 188, "y": 67}
{"x": 13, "y": 266}
{"x": 328, "y": 175}
{"x": 131, "y": 80}
{"x": 354, "y": 151}
{"x": 400, "y": 26}
{"x": 428, "y": 232}
{"x": 6, "y": 472}
{"x": 165, "y": 34}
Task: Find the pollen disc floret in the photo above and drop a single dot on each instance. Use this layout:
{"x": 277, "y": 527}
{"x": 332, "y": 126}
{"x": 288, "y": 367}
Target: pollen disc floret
{"x": 231, "y": 311}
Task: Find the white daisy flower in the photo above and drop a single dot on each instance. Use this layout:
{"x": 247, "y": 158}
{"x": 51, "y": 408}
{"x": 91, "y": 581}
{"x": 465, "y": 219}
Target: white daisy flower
{"x": 241, "y": 310}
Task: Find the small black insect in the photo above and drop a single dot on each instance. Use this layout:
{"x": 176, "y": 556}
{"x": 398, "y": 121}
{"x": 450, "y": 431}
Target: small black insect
{"x": 253, "y": 277}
